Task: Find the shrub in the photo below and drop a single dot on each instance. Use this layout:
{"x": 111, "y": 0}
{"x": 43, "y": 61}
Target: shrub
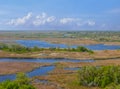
{"x": 21, "y": 82}
{"x": 113, "y": 86}
{"x": 99, "y": 76}
{"x": 22, "y": 49}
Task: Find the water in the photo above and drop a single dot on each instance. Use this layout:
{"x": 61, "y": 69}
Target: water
{"x": 41, "y": 44}
{"x": 72, "y": 68}
{"x": 44, "y": 44}
{"x": 40, "y": 71}
{"x": 42, "y": 60}
{"x": 7, "y": 77}
{"x": 44, "y": 70}
{"x": 102, "y": 47}
{"x": 36, "y": 72}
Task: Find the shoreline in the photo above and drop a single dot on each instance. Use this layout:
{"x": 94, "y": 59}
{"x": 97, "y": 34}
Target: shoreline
{"x": 8, "y": 68}
{"x": 31, "y": 58}
{"x": 97, "y": 55}
{"x": 66, "y": 41}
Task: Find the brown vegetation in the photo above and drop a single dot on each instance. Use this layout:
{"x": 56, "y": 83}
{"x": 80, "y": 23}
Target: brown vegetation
{"x": 96, "y": 63}
{"x": 70, "y": 41}
{"x": 61, "y": 81}
{"x": 105, "y": 54}
{"x": 16, "y": 67}
{"x": 76, "y": 41}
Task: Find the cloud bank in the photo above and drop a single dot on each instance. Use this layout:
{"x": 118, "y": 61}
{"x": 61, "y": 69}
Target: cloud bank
{"x": 43, "y": 20}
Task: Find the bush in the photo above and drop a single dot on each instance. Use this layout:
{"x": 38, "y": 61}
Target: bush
{"x": 22, "y": 49}
{"x": 21, "y": 82}
{"x": 112, "y": 86}
{"x": 99, "y": 76}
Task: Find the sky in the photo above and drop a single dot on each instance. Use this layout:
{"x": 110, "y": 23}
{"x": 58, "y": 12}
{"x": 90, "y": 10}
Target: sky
{"x": 60, "y": 15}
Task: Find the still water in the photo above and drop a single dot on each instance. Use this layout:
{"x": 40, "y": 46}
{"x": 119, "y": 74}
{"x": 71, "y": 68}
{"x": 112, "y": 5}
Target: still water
{"x": 44, "y": 44}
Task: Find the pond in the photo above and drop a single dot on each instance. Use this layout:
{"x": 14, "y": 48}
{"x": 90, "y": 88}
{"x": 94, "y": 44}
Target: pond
{"x": 44, "y": 44}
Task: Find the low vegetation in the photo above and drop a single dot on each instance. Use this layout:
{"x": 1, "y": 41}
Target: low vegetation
{"x": 101, "y": 36}
{"x": 22, "y": 49}
{"x": 104, "y": 77}
{"x": 21, "y": 82}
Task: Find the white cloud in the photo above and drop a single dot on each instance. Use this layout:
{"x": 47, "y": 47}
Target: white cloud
{"x": 88, "y": 23}
{"x": 68, "y": 20}
{"x": 20, "y": 21}
{"x": 91, "y": 23}
{"x": 77, "y": 21}
{"x": 43, "y": 19}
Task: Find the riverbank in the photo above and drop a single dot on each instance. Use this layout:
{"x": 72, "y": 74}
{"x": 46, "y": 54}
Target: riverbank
{"x": 76, "y": 41}
{"x": 16, "y": 67}
{"x": 67, "y": 41}
{"x": 82, "y": 64}
{"x": 97, "y": 55}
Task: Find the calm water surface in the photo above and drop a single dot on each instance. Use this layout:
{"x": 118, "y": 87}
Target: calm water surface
{"x": 44, "y": 44}
{"x": 43, "y": 60}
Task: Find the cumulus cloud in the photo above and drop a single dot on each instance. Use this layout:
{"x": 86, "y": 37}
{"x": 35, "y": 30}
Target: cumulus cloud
{"x": 32, "y": 20}
{"x": 43, "y": 19}
{"x": 20, "y": 21}
{"x": 91, "y": 23}
{"x": 88, "y": 23}
{"x": 68, "y": 20}
{"x": 77, "y": 21}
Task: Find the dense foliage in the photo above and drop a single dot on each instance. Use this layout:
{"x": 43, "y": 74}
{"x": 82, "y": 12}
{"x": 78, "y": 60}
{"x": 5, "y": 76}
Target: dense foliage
{"x": 99, "y": 76}
{"x": 22, "y": 49}
{"x": 21, "y": 82}
{"x": 113, "y": 86}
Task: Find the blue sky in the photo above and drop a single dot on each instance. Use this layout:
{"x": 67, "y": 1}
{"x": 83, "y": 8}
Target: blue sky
{"x": 60, "y": 15}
